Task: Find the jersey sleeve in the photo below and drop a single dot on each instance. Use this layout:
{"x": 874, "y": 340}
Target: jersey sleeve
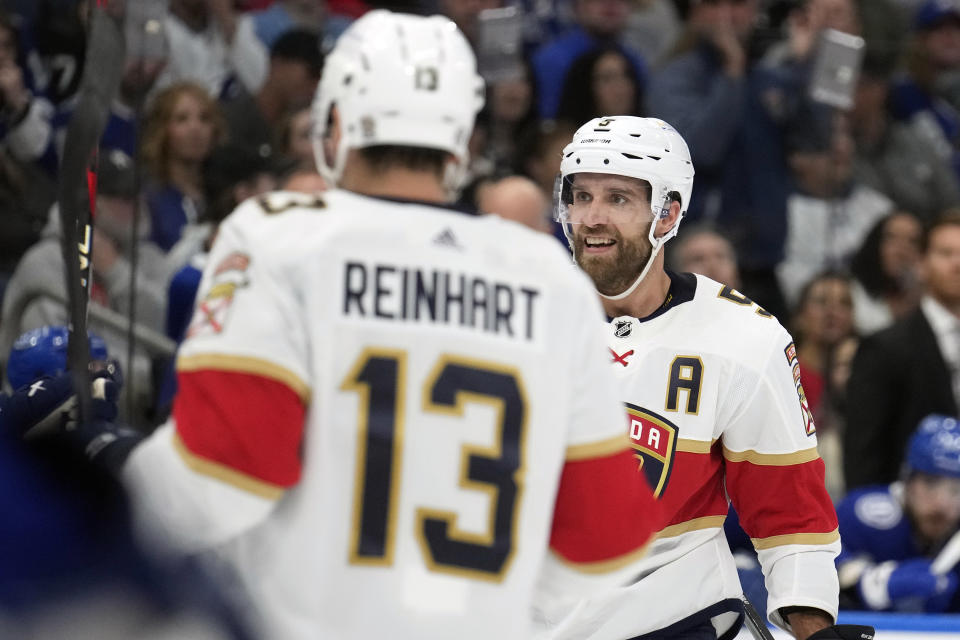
{"x": 243, "y": 385}
{"x": 605, "y": 513}
{"x": 775, "y": 479}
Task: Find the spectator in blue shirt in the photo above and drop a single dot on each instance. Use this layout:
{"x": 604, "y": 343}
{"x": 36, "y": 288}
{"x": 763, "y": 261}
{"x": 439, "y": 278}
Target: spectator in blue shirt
{"x": 598, "y": 22}
{"x": 180, "y": 130}
{"x": 718, "y": 100}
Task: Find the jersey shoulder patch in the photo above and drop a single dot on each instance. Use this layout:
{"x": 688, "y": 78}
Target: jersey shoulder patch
{"x": 878, "y": 509}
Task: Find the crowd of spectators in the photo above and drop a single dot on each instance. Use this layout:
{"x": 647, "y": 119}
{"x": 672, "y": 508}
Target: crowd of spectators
{"x": 842, "y": 222}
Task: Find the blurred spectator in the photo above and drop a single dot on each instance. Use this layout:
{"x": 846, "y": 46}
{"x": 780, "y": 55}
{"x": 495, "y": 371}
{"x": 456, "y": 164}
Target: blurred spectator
{"x": 211, "y": 44}
{"x": 539, "y": 151}
{"x": 886, "y": 284}
{"x": 830, "y": 214}
{"x": 908, "y": 370}
{"x": 704, "y": 250}
{"x": 25, "y": 129}
{"x": 652, "y": 29}
{"x": 601, "y": 82}
{"x": 519, "y": 199}
{"x": 882, "y": 27}
{"x": 60, "y": 40}
{"x": 232, "y": 173}
{"x": 294, "y": 142}
{"x": 26, "y": 192}
{"x": 180, "y": 129}
{"x": 893, "y": 157}
{"x": 465, "y": 13}
{"x": 891, "y": 533}
{"x": 295, "y": 65}
{"x": 821, "y": 324}
{"x": 928, "y": 96}
{"x": 510, "y": 110}
{"x": 40, "y": 274}
{"x": 724, "y": 106}
{"x": 822, "y": 320}
{"x": 830, "y": 440}
{"x": 599, "y": 22}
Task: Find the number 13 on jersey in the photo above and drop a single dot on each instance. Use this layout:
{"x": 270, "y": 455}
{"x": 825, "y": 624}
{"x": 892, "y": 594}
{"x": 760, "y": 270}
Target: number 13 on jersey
{"x": 379, "y": 378}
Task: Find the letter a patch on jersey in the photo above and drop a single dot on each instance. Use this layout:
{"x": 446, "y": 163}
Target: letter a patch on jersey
{"x": 654, "y": 440}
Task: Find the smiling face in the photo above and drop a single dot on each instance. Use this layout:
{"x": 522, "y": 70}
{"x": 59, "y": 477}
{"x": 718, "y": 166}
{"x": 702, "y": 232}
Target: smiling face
{"x": 610, "y": 218}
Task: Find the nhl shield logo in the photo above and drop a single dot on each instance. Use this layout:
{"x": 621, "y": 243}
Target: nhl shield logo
{"x": 654, "y": 440}
{"x": 622, "y": 328}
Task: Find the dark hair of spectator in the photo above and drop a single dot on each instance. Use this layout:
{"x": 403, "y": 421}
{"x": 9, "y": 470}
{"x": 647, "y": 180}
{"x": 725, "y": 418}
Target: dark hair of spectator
{"x": 299, "y": 45}
{"x": 867, "y": 266}
{"x": 380, "y": 158}
{"x": 578, "y": 102}
{"x": 950, "y": 217}
{"x": 804, "y": 298}
{"x": 155, "y": 146}
{"x": 226, "y": 167}
{"x": 7, "y": 24}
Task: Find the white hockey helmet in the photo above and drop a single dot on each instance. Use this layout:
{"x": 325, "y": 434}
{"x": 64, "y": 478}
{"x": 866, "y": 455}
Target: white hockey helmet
{"x": 644, "y": 148}
{"x": 398, "y": 79}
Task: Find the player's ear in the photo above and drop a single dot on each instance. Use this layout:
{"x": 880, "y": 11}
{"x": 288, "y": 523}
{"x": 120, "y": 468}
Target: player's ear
{"x": 331, "y": 139}
{"x": 668, "y": 219}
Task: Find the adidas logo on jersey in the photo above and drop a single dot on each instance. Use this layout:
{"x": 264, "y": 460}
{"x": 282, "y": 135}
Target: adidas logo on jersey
{"x": 446, "y": 239}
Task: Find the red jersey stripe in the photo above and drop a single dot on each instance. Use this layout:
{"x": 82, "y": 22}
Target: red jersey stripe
{"x": 605, "y": 511}
{"x": 696, "y": 487}
{"x": 245, "y": 422}
{"x": 798, "y": 489}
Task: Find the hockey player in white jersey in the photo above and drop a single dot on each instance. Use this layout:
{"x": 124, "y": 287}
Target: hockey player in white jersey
{"x": 394, "y": 419}
{"x": 712, "y": 391}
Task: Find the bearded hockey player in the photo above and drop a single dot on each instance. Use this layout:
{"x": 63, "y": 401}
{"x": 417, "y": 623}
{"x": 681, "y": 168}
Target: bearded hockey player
{"x": 393, "y": 419}
{"x": 716, "y": 409}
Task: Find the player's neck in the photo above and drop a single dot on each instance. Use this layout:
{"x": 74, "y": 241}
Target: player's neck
{"x": 646, "y": 298}
{"x": 397, "y": 182}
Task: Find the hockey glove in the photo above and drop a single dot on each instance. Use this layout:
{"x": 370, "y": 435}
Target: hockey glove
{"x": 47, "y": 409}
{"x": 844, "y": 632}
{"x": 906, "y": 586}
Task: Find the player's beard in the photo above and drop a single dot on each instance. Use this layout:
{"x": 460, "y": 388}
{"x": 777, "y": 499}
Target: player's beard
{"x": 614, "y": 273}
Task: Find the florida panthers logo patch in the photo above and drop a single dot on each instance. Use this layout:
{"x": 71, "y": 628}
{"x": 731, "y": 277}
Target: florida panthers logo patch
{"x": 213, "y": 309}
{"x": 790, "y": 351}
{"x": 654, "y": 440}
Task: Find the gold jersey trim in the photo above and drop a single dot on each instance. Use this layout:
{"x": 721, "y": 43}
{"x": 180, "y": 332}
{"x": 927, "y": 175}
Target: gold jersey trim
{"x": 706, "y": 522}
{"x": 605, "y": 566}
{"x": 772, "y": 459}
{"x": 796, "y": 538}
{"x": 246, "y": 364}
{"x": 599, "y": 449}
{"x": 694, "y": 446}
{"x": 225, "y": 474}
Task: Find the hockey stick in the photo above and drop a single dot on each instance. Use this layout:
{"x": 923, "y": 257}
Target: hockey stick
{"x": 948, "y": 557}
{"x": 754, "y": 623}
{"x": 102, "y": 71}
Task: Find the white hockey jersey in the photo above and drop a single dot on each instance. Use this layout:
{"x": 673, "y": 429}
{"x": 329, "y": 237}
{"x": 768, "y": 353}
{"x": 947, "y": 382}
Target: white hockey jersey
{"x": 717, "y": 411}
{"x": 387, "y": 412}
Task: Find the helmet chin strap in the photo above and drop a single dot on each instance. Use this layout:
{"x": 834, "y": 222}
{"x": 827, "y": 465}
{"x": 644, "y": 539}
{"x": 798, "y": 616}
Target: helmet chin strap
{"x": 643, "y": 274}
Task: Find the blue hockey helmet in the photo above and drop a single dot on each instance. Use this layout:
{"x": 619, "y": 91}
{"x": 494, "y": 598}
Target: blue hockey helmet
{"x": 43, "y": 352}
{"x": 935, "y": 447}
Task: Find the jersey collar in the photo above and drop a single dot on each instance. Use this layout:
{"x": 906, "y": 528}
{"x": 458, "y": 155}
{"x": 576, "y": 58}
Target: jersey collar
{"x": 683, "y": 286}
